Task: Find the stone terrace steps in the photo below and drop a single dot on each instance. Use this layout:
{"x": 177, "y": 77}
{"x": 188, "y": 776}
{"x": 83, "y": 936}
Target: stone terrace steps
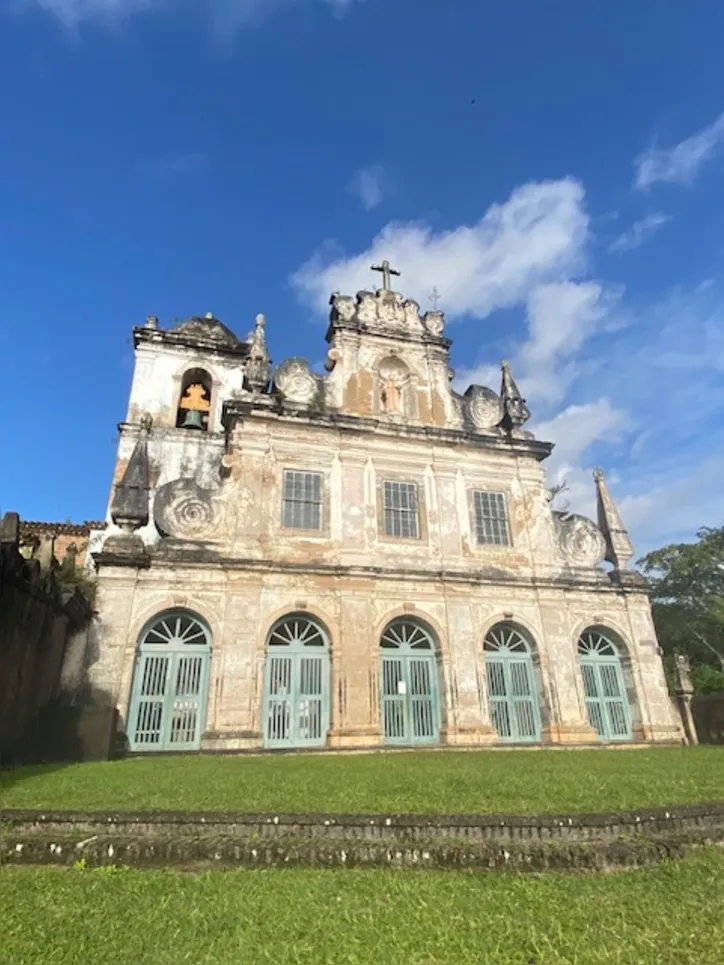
{"x": 186, "y": 839}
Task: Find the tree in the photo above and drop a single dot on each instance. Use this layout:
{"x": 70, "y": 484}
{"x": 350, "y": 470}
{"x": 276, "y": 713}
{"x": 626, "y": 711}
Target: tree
{"x": 687, "y": 583}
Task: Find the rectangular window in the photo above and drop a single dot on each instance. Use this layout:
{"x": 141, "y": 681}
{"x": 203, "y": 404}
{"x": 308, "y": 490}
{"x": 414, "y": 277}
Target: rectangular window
{"x": 491, "y": 519}
{"x": 401, "y": 510}
{"x": 302, "y": 500}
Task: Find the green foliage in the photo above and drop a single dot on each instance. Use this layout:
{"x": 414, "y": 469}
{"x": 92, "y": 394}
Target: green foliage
{"x": 707, "y": 679}
{"x": 687, "y": 583}
{"x": 417, "y": 781}
{"x": 672, "y": 914}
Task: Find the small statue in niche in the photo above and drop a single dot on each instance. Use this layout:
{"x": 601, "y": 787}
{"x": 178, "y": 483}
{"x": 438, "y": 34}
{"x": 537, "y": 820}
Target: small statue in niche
{"x": 391, "y": 399}
{"x": 392, "y": 373}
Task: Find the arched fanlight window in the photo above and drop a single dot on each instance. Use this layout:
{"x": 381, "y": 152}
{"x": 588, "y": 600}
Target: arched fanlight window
{"x": 170, "y": 684}
{"x": 194, "y": 406}
{"x": 511, "y": 679}
{"x": 296, "y": 705}
{"x": 409, "y": 689}
{"x": 607, "y": 704}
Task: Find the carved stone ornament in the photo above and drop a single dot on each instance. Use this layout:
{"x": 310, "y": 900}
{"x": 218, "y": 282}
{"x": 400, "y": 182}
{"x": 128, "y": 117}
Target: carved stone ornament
{"x": 435, "y": 323}
{"x": 184, "y": 510}
{"x": 295, "y": 381}
{"x": 580, "y": 540}
{"x": 483, "y": 406}
{"x": 385, "y": 311}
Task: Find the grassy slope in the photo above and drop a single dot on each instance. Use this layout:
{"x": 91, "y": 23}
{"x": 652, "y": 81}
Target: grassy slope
{"x": 513, "y": 781}
{"x": 671, "y": 915}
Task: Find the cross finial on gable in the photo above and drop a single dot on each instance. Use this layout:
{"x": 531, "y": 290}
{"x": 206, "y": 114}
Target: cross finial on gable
{"x": 386, "y": 273}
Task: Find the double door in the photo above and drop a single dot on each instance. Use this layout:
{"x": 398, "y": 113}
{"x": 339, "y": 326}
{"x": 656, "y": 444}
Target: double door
{"x": 606, "y": 703}
{"x": 296, "y": 699}
{"x": 514, "y": 709}
{"x": 168, "y": 703}
{"x": 410, "y": 709}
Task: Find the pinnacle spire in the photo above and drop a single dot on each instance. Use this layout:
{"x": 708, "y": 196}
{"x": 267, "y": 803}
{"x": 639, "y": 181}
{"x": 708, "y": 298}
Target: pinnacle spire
{"x": 618, "y": 545}
{"x": 515, "y": 411}
{"x": 129, "y": 508}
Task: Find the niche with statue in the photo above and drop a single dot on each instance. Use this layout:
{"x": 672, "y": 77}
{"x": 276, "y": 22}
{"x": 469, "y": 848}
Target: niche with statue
{"x": 395, "y": 390}
{"x": 194, "y": 407}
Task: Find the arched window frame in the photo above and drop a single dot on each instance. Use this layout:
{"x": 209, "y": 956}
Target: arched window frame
{"x": 630, "y": 694}
{"x": 409, "y": 655}
{"x": 523, "y": 716}
{"x": 168, "y": 703}
{"x": 297, "y": 683}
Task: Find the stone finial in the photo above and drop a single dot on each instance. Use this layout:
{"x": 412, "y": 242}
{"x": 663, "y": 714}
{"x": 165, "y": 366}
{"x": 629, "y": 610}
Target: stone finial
{"x": 515, "y": 412}
{"x": 129, "y": 508}
{"x": 682, "y": 667}
{"x": 151, "y": 321}
{"x": 618, "y": 545}
{"x": 258, "y": 366}
{"x": 10, "y": 529}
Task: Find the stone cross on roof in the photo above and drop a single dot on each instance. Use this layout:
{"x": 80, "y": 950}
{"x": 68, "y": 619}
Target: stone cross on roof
{"x": 386, "y": 272}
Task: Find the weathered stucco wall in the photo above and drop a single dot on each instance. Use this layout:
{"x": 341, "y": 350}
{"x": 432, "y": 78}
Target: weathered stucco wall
{"x": 241, "y": 606}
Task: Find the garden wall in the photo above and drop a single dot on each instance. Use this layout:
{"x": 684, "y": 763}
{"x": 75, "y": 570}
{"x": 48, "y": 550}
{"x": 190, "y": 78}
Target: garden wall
{"x": 708, "y": 711}
{"x": 39, "y": 624}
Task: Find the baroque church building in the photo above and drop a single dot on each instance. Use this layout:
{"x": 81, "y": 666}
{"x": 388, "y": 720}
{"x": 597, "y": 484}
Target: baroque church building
{"x": 355, "y": 559}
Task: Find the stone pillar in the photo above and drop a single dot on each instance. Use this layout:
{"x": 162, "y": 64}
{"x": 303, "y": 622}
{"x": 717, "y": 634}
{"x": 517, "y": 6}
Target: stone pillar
{"x": 468, "y": 719}
{"x": 234, "y": 720}
{"x": 562, "y": 684}
{"x": 684, "y": 691}
{"x": 355, "y": 697}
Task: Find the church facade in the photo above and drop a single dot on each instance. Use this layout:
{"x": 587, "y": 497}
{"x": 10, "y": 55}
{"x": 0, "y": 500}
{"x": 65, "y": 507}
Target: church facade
{"x": 359, "y": 558}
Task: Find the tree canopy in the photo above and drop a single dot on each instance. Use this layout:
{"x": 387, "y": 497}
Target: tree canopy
{"x": 687, "y": 583}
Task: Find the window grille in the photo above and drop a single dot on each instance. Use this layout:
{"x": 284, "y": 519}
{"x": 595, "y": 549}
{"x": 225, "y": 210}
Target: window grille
{"x": 401, "y": 510}
{"x": 491, "y": 519}
{"x": 302, "y": 500}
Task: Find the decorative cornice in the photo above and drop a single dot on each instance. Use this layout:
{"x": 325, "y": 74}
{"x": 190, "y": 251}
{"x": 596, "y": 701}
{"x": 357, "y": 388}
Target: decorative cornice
{"x": 240, "y": 409}
{"x": 192, "y": 556}
{"x": 151, "y": 336}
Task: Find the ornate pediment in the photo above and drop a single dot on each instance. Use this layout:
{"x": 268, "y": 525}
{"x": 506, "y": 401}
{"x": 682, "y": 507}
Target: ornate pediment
{"x": 386, "y": 312}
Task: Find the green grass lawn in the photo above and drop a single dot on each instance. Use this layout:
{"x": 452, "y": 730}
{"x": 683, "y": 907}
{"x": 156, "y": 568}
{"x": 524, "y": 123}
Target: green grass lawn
{"x": 670, "y": 915}
{"x": 446, "y": 781}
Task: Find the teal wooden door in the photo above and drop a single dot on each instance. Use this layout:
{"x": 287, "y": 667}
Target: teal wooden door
{"x": 512, "y": 692}
{"x": 167, "y": 711}
{"x": 296, "y": 684}
{"x": 408, "y": 685}
{"x": 606, "y": 702}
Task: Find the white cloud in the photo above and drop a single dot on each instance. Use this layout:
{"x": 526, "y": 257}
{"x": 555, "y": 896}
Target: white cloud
{"x": 575, "y": 428}
{"x": 537, "y": 235}
{"x": 679, "y": 164}
{"x": 639, "y": 233}
{"x": 367, "y": 185}
{"x": 226, "y": 14}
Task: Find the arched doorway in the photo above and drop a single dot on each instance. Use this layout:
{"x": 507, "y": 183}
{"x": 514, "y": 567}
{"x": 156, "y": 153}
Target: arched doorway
{"x": 511, "y": 679}
{"x": 167, "y": 711}
{"x": 409, "y": 684}
{"x": 603, "y": 685}
{"x": 296, "y": 683}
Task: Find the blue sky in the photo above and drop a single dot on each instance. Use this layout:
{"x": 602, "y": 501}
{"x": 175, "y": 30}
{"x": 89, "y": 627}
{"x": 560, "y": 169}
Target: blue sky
{"x": 554, "y": 168}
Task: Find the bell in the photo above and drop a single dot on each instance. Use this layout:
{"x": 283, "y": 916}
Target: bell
{"x": 192, "y": 420}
